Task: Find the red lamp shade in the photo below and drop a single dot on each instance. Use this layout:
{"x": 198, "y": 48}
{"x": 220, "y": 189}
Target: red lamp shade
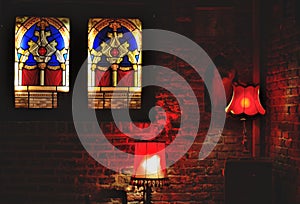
{"x": 149, "y": 164}
{"x": 245, "y": 100}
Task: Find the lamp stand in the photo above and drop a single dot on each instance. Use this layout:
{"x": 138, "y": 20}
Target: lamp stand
{"x": 147, "y": 194}
{"x": 245, "y": 138}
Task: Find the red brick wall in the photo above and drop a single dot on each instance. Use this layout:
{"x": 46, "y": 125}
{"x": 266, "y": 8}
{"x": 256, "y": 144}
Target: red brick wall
{"x": 282, "y": 89}
{"x": 44, "y": 162}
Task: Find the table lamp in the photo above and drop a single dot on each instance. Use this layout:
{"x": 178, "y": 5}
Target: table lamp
{"x": 149, "y": 167}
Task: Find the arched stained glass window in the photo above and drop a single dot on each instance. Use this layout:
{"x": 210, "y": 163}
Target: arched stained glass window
{"x": 41, "y": 61}
{"x": 114, "y": 63}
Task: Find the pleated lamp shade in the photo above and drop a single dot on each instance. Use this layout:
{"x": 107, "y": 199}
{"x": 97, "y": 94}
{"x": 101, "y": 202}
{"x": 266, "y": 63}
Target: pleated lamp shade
{"x": 245, "y": 101}
{"x": 149, "y": 164}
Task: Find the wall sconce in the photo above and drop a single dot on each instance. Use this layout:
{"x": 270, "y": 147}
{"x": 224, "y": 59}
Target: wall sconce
{"x": 245, "y": 103}
{"x": 149, "y": 167}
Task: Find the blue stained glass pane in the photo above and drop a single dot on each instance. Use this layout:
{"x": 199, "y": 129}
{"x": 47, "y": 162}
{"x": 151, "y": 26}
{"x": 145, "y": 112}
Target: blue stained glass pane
{"x": 96, "y": 45}
{"x": 52, "y": 37}
{"x": 65, "y": 56}
{"x": 53, "y": 61}
{"x": 53, "y": 30}
{"x": 125, "y": 62}
{"x": 103, "y": 62}
{"x": 34, "y": 38}
{"x": 30, "y": 61}
{"x": 60, "y": 43}
{"x": 128, "y": 37}
{"x": 30, "y": 32}
{"x": 19, "y": 56}
{"x": 58, "y": 39}
{"x": 24, "y": 43}
{"x": 102, "y": 37}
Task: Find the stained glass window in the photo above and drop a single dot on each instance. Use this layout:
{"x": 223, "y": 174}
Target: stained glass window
{"x": 41, "y": 61}
{"x": 114, "y": 63}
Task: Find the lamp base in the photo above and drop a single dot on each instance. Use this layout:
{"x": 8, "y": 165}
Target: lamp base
{"x": 147, "y": 194}
{"x": 147, "y": 185}
{"x": 155, "y": 182}
{"x": 245, "y": 138}
{"x": 245, "y": 144}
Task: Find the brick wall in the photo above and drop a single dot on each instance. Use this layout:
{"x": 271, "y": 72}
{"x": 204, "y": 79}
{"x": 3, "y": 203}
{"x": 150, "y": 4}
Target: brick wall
{"x": 282, "y": 88}
{"x": 44, "y": 161}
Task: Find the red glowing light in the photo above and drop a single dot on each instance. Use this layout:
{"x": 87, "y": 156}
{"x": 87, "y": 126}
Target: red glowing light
{"x": 245, "y": 100}
{"x": 150, "y": 161}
